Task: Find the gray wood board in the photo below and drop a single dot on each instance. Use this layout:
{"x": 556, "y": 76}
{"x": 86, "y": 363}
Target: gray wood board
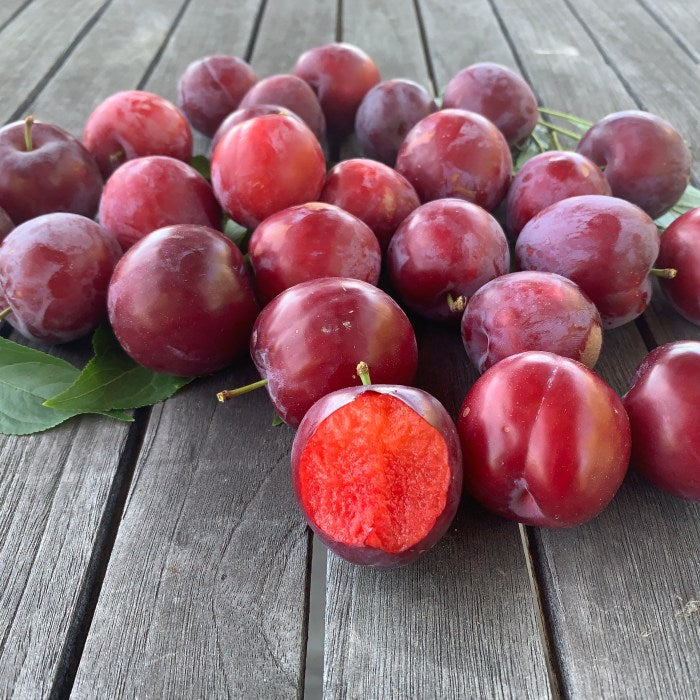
{"x": 213, "y": 599}
{"x": 681, "y": 20}
{"x": 11, "y": 9}
{"x": 617, "y": 589}
{"x": 439, "y": 627}
{"x": 34, "y": 43}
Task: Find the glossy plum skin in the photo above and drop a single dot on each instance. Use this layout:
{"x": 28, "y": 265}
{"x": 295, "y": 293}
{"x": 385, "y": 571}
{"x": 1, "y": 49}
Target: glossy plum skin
{"x": 663, "y": 405}
{"x": 149, "y": 193}
{"x": 6, "y": 224}
{"x": 211, "y": 88}
{"x": 264, "y": 165}
{"x": 680, "y": 250}
{"x": 58, "y": 174}
{"x": 294, "y": 94}
{"x": 132, "y": 124}
{"x": 435, "y": 414}
{"x": 454, "y": 153}
{"x": 646, "y": 161}
{"x": 310, "y": 241}
{"x": 181, "y": 301}
{"x": 373, "y": 192}
{"x": 340, "y": 74}
{"x": 545, "y": 441}
{"x": 497, "y": 93}
{"x": 387, "y": 113}
{"x": 604, "y": 244}
{"x": 243, "y": 114}
{"x": 445, "y": 247}
{"x": 308, "y": 340}
{"x": 548, "y": 178}
{"x": 530, "y": 311}
{"x": 54, "y": 274}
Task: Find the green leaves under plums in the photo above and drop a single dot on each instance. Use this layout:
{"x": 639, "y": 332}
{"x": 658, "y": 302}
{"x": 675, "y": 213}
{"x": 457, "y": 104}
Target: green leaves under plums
{"x": 237, "y": 234}
{"x": 112, "y": 380}
{"x": 689, "y": 200}
{"x": 202, "y": 165}
{"x": 27, "y": 378}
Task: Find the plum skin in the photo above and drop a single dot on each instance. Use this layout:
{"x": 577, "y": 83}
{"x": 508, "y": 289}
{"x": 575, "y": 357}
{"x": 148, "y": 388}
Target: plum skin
{"x": 308, "y": 340}
{"x": 680, "y": 250}
{"x": 530, "y": 311}
{"x": 663, "y": 405}
{"x": 604, "y": 244}
{"x": 181, "y": 301}
{"x": 646, "y": 161}
{"x": 545, "y": 440}
{"x": 54, "y": 274}
{"x": 435, "y": 414}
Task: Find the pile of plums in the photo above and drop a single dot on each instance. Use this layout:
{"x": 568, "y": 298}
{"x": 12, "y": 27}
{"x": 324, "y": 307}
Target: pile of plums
{"x": 378, "y": 467}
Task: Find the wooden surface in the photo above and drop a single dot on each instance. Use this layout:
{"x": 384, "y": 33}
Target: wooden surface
{"x": 168, "y": 559}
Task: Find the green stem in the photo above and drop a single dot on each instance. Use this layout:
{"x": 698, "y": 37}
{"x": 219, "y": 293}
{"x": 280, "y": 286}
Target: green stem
{"x": 28, "y": 123}
{"x": 559, "y": 129}
{"x": 363, "y": 373}
{"x": 541, "y": 146}
{"x": 568, "y": 117}
{"x": 5, "y": 313}
{"x": 556, "y": 141}
{"x": 231, "y": 393}
{"x": 667, "y": 273}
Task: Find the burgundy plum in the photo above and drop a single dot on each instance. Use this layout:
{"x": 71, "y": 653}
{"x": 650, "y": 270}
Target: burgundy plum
{"x": 530, "y": 311}
{"x": 377, "y": 472}
{"x": 341, "y": 75}
{"x": 149, "y": 193}
{"x": 264, "y": 165}
{"x": 663, "y": 405}
{"x": 308, "y": 340}
{"x": 680, "y": 250}
{"x": 442, "y": 253}
{"x": 181, "y": 301}
{"x": 545, "y": 440}
{"x": 454, "y": 153}
{"x": 43, "y": 169}
{"x": 132, "y": 124}
{"x": 548, "y": 178}
{"x": 211, "y": 88}
{"x": 54, "y": 274}
{"x": 387, "y": 113}
{"x": 309, "y": 241}
{"x": 373, "y": 192}
{"x": 294, "y": 94}
{"x": 645, "y": 159}
{"x": 497, "y": 93}
{"x": 604, "y": 244}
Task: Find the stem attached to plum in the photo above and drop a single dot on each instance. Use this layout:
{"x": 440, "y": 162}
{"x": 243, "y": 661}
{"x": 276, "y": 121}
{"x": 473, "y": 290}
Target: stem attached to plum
{"x": 456, "y": 305}
{"x": 363, "y": 373}
{"x": 115, "y": 157}
{"x": 231, "y": 393}
{"x": 667, "y": 273}
{"x": 5, "y": 313}
{"x": 28, "y": 123}
{"x": 559, "y": 129}
{"x": 568, "y": 117}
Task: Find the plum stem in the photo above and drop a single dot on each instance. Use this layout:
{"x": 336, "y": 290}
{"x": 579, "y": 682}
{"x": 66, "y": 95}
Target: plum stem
{"x": 559, "y": 129}
{"x": 114, "y": 157}
{"x": 556, "y": 141}
{"x": 667, "y": 273}
{"x": 540, "y": 146}
{"x": 568, "y": 117}
{"x": 28, "y": 123}
{"x": 456, "y": 305}
{"x": 5, "y": 313}
{"x": 363, "y": 373}
{"x": 231, "y": 393}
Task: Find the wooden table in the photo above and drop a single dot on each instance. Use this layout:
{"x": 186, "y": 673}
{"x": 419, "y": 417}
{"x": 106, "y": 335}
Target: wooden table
{"x": 166, "y": 558}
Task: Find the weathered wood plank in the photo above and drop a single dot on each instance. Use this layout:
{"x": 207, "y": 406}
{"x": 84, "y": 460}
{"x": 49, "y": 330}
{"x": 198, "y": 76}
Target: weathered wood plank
{"x": 681, "y": 20}
{"x": 439, "y": 627}
{"x": 33, "y": 44}
{"x": 10, "y": 9}
{"x": 613, "y": 587}
{"x": 212, "y": 601}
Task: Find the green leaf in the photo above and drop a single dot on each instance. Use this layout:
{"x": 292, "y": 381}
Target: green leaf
{"x": 539, "y": 141}
{"x": 690, "y": 199}
{"x": 237, "y": 234}
{"x": 202, "y": 165}
{"x": 112, "y": 380}
{"x": 27, "y": 378}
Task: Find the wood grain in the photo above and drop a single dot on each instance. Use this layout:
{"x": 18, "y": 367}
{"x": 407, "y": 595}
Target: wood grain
{"x": 206, "y": 591}
{"x": 612, "y": 587}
